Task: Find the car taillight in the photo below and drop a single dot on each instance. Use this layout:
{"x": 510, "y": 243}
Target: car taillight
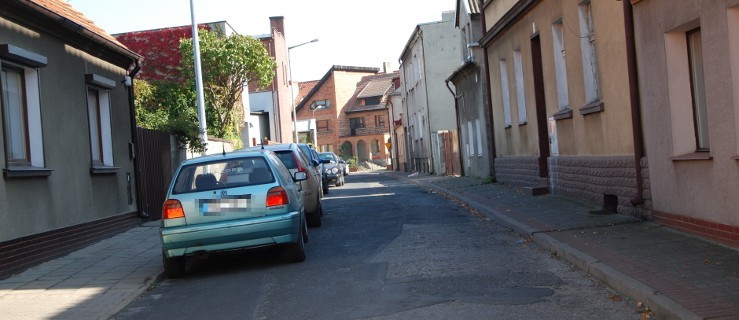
{"x": 172, "y": 209}
{"x": 277, "y": 196}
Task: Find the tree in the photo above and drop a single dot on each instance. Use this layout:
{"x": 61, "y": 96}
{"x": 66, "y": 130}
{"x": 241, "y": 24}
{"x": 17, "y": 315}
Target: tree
{"x": 228, "y": 63}
{"x": 167, "y": 105}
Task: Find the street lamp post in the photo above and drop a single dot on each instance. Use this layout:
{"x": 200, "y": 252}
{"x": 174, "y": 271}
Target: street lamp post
{"x": 292, "y": 91}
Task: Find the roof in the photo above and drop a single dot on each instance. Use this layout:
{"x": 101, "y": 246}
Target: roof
{"x": 304, "y": 88}
{"x": 74, "y": 20}
{"x": 372, "y": 86}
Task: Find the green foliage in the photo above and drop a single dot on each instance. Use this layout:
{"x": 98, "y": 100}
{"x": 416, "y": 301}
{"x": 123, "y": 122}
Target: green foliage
{"x": 166, "y": 105}
{"x": 352, "y": 162}
{"x": 227, "y": 64}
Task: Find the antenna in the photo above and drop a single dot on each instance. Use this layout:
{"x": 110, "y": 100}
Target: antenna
{"x": 224, "y": 149}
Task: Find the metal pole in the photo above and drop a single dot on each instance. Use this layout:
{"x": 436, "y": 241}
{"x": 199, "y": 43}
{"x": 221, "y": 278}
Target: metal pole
{"x": 292, "y": 90}
{"x": 198, "y": 80}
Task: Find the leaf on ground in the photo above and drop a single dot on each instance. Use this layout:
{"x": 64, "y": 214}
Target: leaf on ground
{"x": 615, "y": 298}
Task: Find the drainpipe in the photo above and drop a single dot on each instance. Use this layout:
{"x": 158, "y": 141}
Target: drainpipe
{"x": 488, "y": 100}
{"x": 636, "y": 123}
{"x": 132, "y": 108}
{"x": 459, "y": 127}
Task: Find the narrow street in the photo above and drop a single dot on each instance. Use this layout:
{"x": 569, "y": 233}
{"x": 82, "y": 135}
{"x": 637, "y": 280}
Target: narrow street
{"x": 388, "y": 249}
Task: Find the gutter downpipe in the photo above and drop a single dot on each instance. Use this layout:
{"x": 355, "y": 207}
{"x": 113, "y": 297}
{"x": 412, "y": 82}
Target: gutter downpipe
{"x": 488, "y": 100}
{"x": 636, "y": 121}
{"x": 134, "y": 136}
{"x": 459, "y": 127}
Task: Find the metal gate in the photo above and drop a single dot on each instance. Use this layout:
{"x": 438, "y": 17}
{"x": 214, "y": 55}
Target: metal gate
{"x": 154, "y": 162}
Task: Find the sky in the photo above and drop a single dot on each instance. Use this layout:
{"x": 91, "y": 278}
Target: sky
{"x": 349, "y": 32}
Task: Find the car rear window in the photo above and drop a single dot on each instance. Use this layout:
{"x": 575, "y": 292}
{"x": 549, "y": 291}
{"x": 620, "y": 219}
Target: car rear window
{"x": 227, "y": 173}
{"x": 287, "y": 159}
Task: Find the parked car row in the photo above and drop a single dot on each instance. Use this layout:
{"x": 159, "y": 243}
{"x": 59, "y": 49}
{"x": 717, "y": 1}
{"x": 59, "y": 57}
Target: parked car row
{"x": 249, "y": 198}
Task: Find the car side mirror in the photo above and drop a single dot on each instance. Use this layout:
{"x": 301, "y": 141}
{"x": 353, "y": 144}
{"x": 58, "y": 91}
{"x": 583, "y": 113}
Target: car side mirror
{"x": 316, "y": 162}
{"x": 300, "y": 176}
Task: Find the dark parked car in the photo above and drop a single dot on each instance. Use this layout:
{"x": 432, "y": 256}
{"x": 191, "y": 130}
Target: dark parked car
{"x": 334, "y": 169}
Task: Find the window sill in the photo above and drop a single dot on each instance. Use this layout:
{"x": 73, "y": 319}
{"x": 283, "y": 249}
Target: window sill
{"x": 593, "y": 107}
{"x": 508, "y": 126}
{"x": 26, "y": 172}
{"x": 104, "y": 170}
{"x": 735, "y": 158}
{"x": 523, "y": 123}
{"x": 693, "y": 156}
{"x": 565, "y": 113}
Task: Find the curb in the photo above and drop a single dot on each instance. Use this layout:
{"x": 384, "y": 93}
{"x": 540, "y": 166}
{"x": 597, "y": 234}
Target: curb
{"x": 663, "y": 306}
{"x": 110, "y": 314}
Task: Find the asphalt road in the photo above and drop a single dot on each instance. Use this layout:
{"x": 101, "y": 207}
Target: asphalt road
{"x": 388, "y": 250}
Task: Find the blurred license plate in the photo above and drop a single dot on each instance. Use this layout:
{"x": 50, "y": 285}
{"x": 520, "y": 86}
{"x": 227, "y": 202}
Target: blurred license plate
{"x": 219, "y": 207}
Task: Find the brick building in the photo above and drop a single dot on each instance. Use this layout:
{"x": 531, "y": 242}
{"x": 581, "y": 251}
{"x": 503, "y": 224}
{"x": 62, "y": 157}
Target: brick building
{"x": 348, "y": 107}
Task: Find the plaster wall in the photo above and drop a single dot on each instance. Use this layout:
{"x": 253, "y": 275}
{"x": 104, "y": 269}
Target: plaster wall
{"x": 71, "y": 195}
{"x": 706, "y": 188}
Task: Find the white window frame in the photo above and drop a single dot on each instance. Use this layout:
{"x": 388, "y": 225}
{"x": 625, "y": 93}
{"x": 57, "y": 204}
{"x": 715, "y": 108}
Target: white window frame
{"x": 520, "y": 90}
{"x": 589, "y": 59}
{"x": 99, "y": 121}
{"x": 682, "y": 114}
{"x": 505, "y": 93}
{"x": 479, "y": 137}
{"x": 560, "y": 65}
{"x": 101, "y": 139}
{"x": 31, "y": 133}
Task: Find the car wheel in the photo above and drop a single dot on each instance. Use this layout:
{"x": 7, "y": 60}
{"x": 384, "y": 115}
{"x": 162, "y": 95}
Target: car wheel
{"x": 314, "y": 218}
{"x": 174, "y": 267}
{"x": 325, "y": 188}
{"x": 295, "y": 252}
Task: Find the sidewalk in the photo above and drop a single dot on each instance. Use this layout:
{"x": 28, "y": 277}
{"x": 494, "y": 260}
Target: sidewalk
{"x": 676, "y": 275}
{"x": 92, "y": 283}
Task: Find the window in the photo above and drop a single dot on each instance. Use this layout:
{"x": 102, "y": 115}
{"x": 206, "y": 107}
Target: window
{"x": 98, "y": 112}
{"x": 379, "y": 121}
{"x": 479, "y": 137}
{"x": 375, "y": 147}
{"x": 695, "y": 63}
{"x": 21, "y": 112}
{"x": 322, "y": 125}
{"x": 733, "y": 22}
{"x": 354, "y": 124}
{"x": 326, "y": 148}
{"x": 15, "y": 121}
{"x": 520, "y": 93}
{"x": 504, "y": 93}
{"x": 471, "y": 150}
{"x": 560, "y": 67}
{"x": 372, "y": 100}
{"x": 688, "y": 110}
{"x": 589, "y": 61}
{"x": 320, "y": 104}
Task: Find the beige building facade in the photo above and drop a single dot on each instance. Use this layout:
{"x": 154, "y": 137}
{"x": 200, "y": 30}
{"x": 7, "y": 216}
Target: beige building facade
{"x": 561, "y": 101}
{"x": 688, "y": 58}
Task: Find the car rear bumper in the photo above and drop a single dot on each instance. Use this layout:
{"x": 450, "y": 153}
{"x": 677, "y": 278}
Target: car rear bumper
{"x": 231, "y": 235}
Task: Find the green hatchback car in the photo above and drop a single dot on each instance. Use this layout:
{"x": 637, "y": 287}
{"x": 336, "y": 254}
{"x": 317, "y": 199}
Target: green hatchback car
{"x": 234, "y": 201}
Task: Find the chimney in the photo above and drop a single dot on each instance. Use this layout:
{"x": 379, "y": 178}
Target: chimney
{"x": 387, "y": 67}
{"x": 278, "y": 23}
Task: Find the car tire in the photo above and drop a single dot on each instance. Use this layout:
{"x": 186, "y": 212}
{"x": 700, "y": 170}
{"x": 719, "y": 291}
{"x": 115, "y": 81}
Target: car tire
{"x": 314, "y": 218}
{"x": 295, "y": 252}
{"x": 325, "y": 188}
{"x": 174, "y": 267}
